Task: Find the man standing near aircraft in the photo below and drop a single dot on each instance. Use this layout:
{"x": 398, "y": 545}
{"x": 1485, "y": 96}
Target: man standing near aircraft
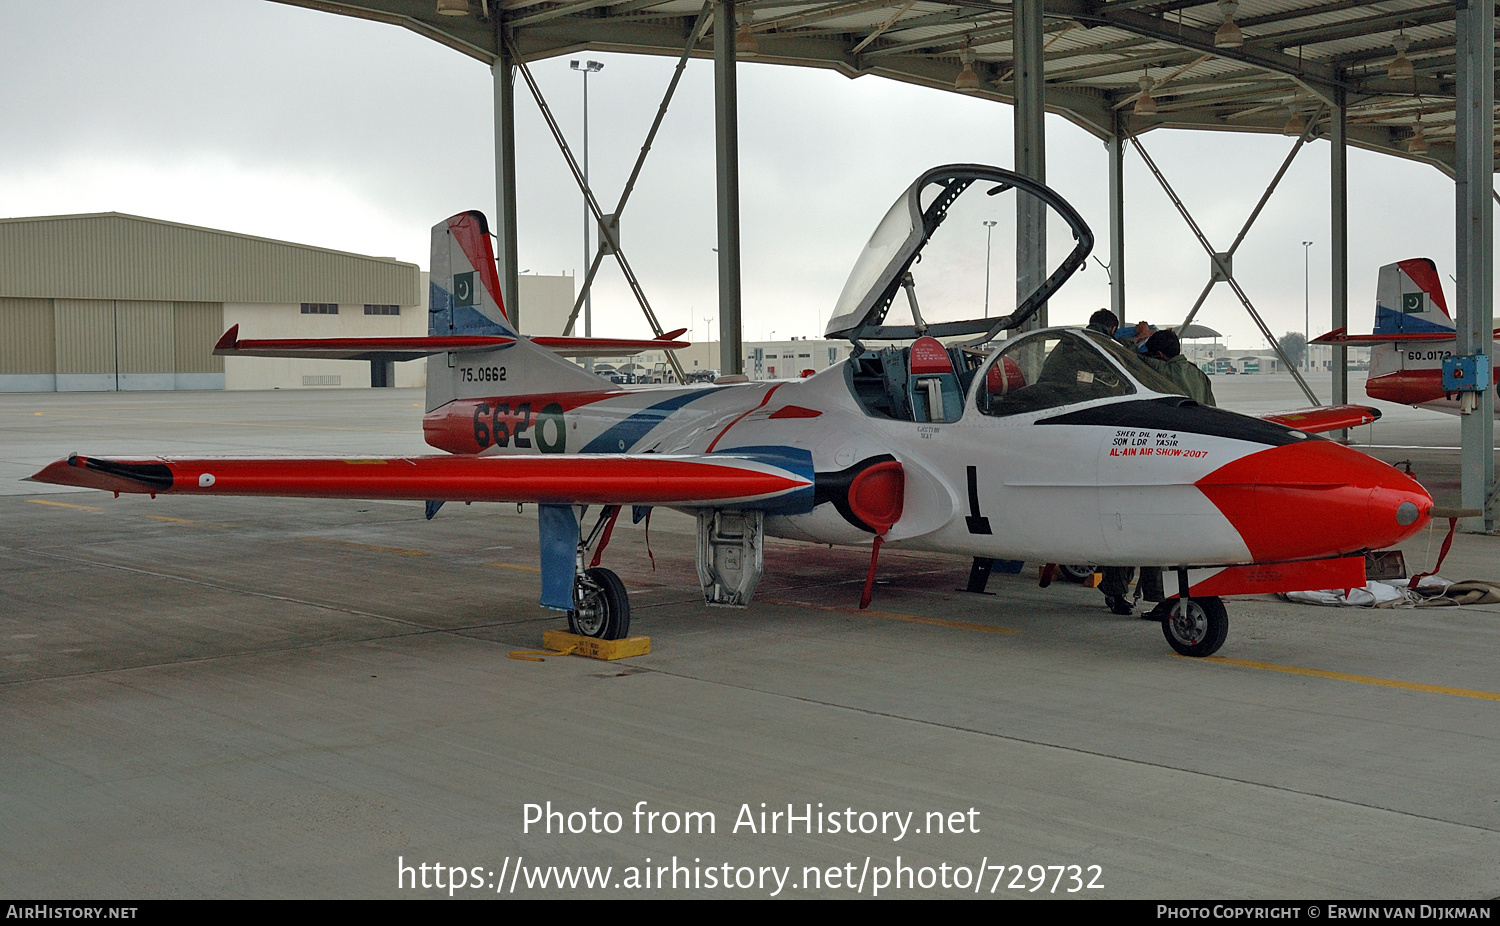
{"x": 1164, "y": 355}
{"x": 1116, "y": 582}
{"x": 1104, "y": 321}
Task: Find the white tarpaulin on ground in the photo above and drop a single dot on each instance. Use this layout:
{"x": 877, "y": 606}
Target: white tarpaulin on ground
{"x": 1431, "y": 592}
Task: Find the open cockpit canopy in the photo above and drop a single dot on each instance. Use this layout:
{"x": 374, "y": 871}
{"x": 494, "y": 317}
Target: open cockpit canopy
{"x": 1037, "y": 371}
{"x": 939, "y": 284}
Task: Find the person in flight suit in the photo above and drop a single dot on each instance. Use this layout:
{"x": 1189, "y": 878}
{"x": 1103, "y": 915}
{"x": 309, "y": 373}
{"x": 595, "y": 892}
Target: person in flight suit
{"x": 1163, "y": 353}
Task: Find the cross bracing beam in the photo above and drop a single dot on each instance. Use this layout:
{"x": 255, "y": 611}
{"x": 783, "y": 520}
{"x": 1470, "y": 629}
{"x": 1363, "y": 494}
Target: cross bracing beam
{"x": 593, "y": 205}
{"x": 1220, "y": 261}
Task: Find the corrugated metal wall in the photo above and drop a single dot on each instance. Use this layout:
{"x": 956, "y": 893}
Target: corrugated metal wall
{"x": 145, "y": 340}
{"x": 196, "y": 327}
{"x": 85, "y": 334}
{"x": 113, "y": 256}
{"x": 26, "y": 336}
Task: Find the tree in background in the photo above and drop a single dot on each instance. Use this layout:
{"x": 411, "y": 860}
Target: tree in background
{"x": 1294, "y": 345}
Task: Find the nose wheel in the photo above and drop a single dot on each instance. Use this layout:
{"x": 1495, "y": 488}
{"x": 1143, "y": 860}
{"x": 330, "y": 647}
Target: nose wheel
{"x": 601, "y": 606}
{"x": 1196, "y": 626}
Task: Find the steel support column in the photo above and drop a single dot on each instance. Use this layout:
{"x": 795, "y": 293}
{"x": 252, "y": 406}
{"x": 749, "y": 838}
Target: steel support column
{"x": 504, "y": 227}
{"x": 727, "y": 173}
{"x": 1116, "y": 147}
{"x": 1475, "y": 162}
{"x": 1338, "y": 236}
{"x": 1031, "y": 154}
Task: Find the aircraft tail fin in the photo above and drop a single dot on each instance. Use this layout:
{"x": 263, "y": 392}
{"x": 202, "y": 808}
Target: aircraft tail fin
{"x": 465, "y": 304}
{"x": 1409, "y": 299}
{"x": 464, "y": 295}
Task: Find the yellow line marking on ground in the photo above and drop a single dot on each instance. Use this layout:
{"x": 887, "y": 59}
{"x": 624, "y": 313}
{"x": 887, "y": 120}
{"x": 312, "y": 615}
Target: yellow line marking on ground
{"x": 162, "y": 517}
{"x": 516, "y": 566}
{"x": 38, "y": 501}
{"x": 363, "y": 546}
{"x": 1362, "y": 679}
{"x": 892, "y": 616}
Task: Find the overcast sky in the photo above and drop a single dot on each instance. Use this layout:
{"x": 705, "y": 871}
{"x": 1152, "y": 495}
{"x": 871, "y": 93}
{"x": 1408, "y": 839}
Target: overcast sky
{"x": 294, "y": 124}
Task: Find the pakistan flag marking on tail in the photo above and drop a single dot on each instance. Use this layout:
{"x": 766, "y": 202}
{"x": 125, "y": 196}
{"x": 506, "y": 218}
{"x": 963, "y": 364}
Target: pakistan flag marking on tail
{"x": 463, "y": 289}
{"x": 1411, "y": 302}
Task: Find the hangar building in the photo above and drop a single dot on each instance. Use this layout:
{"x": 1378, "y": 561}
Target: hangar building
{"x": 108, "y": 301}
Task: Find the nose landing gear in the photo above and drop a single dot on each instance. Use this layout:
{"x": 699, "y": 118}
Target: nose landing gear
{"x": 1196, "y": 626}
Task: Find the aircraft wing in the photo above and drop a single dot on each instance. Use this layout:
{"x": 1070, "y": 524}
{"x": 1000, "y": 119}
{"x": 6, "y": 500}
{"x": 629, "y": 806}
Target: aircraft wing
{"x": 410, "y": 348}
{"x": 781, "y": 481}
{"x": 1322, "y": 418}
{"x": 415, "y": 348}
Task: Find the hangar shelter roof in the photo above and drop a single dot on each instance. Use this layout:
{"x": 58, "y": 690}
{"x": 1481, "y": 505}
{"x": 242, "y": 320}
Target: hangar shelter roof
{"x": 1293, "y": 56}
{"x": 110, "y": 255}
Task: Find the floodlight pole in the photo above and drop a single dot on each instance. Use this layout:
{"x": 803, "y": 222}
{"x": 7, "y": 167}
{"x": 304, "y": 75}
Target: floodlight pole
{"x": 590, "y": 67}
{"x": 1306, "y": 302}
{"x": 989, "y": 231}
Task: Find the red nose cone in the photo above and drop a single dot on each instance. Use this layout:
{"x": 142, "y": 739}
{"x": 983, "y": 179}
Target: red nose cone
{"x": 1315, "y": 499}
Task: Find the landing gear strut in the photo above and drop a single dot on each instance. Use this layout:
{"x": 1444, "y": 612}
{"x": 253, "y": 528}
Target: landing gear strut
{"x": 594, "y": 598}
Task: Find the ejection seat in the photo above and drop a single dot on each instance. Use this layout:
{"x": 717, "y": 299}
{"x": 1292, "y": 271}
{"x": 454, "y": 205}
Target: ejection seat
{"x": 931, "y": 385}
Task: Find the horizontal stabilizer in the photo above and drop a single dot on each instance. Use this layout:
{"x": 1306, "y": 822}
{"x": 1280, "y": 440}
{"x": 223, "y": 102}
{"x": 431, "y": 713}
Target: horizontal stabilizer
{"x": 1340, "y": 336}
{"x": 1322, "y": 418}
{"x": 694, "y": 480}
{"x": 407, "y": 348}
{"x": 608, "y": 347}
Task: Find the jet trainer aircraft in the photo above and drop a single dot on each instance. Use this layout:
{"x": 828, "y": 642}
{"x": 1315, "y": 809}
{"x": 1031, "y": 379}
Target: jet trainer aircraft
{"x": 1055, "y": 445}
{"x": 1413, "y": 335}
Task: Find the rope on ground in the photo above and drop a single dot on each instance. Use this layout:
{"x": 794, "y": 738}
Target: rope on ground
{"x": 540, "y": 655}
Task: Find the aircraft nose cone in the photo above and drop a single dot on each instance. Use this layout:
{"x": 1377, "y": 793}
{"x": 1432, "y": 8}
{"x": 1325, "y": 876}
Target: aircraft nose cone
{"x": 1314, "y": 499}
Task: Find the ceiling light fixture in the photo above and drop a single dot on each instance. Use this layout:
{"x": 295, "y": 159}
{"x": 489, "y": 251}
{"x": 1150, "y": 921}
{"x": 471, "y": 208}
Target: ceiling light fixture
{"x": 1417, "y": 144}
{"x": 453, "y": 7}
{"x": 1229, "y": 34}
{"x": 1294, "y": 127}
{"x": 1400, "y": 68}
{"x": 1144, "y": 104}
{"x": 745, "y": 45}
{"x": 967, "y": 80}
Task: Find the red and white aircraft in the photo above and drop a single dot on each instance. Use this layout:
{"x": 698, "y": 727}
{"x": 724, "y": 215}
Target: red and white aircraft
{"x": 1055, "y": 445}
{"x": 1413, "y": 335}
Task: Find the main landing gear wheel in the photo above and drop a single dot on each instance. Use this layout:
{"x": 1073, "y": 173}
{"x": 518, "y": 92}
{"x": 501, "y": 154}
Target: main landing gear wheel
{"x": 603, "y": 607}
{"x": 1196, "y": 627}
{"x": 1075, "y": 573}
